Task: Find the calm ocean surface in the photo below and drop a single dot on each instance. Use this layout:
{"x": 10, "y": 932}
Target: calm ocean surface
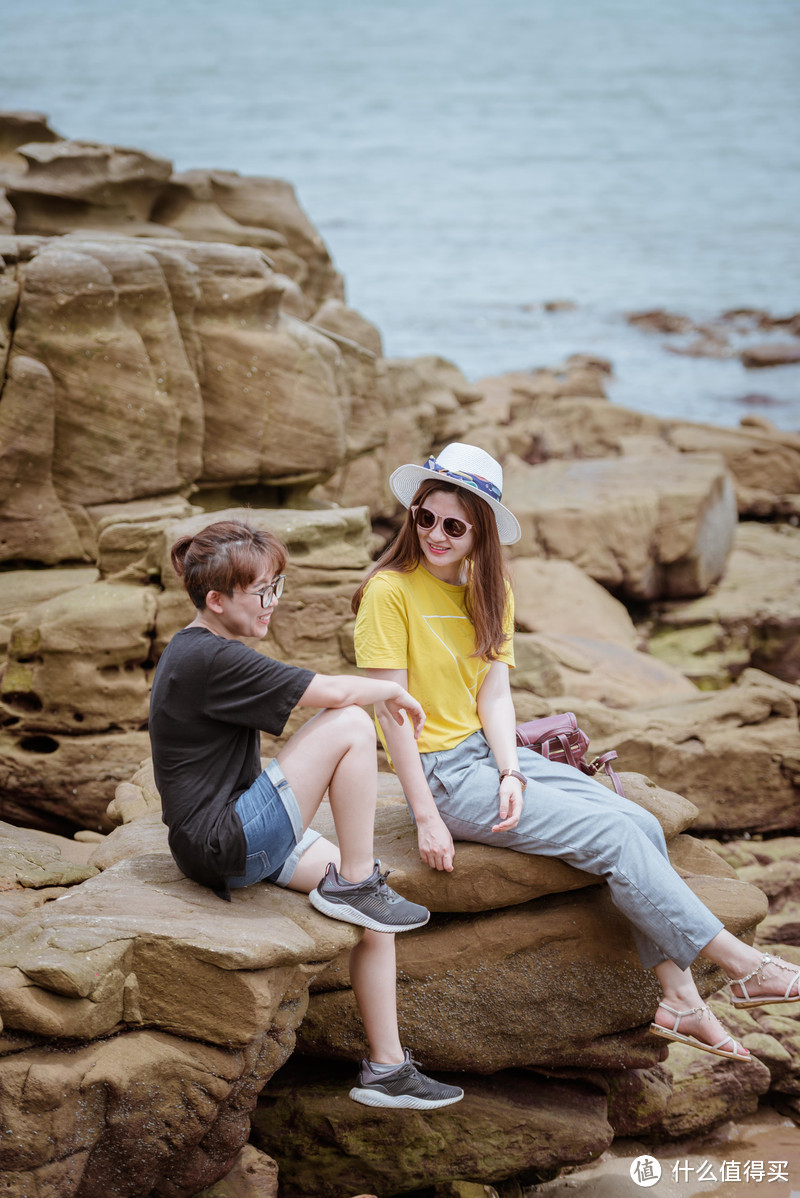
{"x": 468, "y": 161}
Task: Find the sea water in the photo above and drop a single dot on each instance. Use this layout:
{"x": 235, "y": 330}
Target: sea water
{"x": 468, "y": 161}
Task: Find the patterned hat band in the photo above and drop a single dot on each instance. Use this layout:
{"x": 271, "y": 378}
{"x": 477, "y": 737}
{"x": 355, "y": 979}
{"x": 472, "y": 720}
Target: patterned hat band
{"x": 464, "y": 476}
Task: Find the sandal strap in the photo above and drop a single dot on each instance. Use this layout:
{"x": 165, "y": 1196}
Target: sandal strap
{"x": 702, "y": 1011}
{"x": 758, "y": 974}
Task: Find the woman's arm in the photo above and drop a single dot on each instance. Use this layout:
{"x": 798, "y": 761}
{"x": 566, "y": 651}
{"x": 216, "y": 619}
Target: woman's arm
{"x": 346, "y": 690}
{"x": 497, "y": 716}
{"x": 435, "y": 842}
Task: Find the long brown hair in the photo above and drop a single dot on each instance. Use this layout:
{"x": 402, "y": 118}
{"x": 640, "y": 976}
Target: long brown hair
{"x": 486, "y": 578}
{"x": 224, "y": 556}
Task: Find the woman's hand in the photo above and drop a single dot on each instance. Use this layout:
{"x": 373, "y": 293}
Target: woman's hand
{"x": 404, "y": 702}
{"x": 436, "y": 846}
{"x": 510, "y": 804}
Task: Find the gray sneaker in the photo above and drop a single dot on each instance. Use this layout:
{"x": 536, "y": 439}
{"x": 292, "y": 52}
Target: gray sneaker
{"x": 370, "y": 904}
{"x": 405, "y": 1086}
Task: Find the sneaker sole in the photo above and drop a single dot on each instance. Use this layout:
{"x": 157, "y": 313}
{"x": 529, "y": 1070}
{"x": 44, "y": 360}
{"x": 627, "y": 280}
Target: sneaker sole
{"x": 348, "y": 914}
{"x": 406, "y": 1101}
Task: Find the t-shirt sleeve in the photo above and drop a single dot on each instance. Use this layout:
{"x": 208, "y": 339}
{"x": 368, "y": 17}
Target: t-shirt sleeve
{"x": 254, "y": 691}
{"x": 381, "y": 632}
{"x": 507, "y": 652}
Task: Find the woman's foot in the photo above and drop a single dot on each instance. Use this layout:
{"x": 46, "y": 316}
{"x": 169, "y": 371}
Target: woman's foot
{"x": 771, "y": 981}
{"x": 697, "y": 1026}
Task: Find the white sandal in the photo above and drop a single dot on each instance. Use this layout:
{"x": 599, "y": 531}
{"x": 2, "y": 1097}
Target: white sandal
{"x": 737, "y": 1052}
{"x": 763, "y": 1000}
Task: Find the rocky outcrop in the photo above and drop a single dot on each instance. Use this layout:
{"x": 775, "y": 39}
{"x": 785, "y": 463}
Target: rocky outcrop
{"x": 175, "y": 346}
{"x": 735, "y": 753}
{"x": 750, "y": 618}
{"x": 177, "y": 1009}
{"x": 639, "y": 535}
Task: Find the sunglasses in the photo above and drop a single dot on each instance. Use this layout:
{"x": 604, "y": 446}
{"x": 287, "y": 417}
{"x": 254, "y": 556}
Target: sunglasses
{"x": 452, "y": 527}
{"x": 272, "y": 588}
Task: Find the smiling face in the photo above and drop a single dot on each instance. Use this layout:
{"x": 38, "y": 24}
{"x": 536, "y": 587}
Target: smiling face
{"x": 444, "y": 556}
{"x": 240, "y": 614}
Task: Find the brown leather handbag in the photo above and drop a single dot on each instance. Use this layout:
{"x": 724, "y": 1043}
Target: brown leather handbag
{"x": 559, "y": 738}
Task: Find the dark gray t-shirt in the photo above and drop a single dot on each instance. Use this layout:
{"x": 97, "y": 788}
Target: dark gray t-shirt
{"x": 210, "y": 698}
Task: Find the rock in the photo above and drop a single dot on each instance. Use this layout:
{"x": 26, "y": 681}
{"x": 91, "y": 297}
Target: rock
{"x": 141, "y": 1110}
{"x": 418, "y": 402}
{"x": 657, "y": 320}
{"x": 706, "y": 1090}
{"x": 764, "y": 463}
{"x": 267, "y": 206}
{"x": 593, "y": 669}
{"x": 83, "y": 185}
{"x": 770, "y": 354}
{"x": 34, "y": 524}
{"x": 606, "y": 516}
{"x": 637, "y": 1100}
{"x": 734, "y": 753}
{"x": 750, "y": 618}
{"x": 531, "y": 963}
{"x": 554, "y": 596}
{"x": 254, "y": 1175}
{"x": 19, "y": 128}
{"x": 327, "y": 1146}
{"x": 335, "y": 317}
{"x": 83, "y": 660}
{"x": 177, "y": 1009}
{"x": 60, "y": 783}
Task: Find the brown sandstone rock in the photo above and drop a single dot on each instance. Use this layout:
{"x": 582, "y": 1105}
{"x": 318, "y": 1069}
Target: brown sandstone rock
{"x": 254, "y": 1175}
{"x": 63, "y": 782}
{"x": 557, "y": 597}
{"x": 554, "y": 982}
{"x": 268, "y": 206}
{"x": 83, "y": 660}
{"x": 34, "y": 524}
{"x": 771, "y": 354}
{"x": 637, "y": 1100}
{"x": 734, "y": 753}
{"x": 334, "y": 316}
{"x": 646, "y": 540}
{"x": 707, "y": 1090}
{"x": 553, "y": 665}
{"x": 327, "y": 1146}
{"x": 764, "y": 463}
{"x": 140, "y": 1110}
{"x": 84, "y": 185}
{"x": 192, "y": 1004}
{"x": 750, "y": 618}
{"x": 17, "y": 129}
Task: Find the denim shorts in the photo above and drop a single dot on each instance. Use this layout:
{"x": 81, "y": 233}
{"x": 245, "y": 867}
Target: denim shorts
{"x": 273, "y": 829}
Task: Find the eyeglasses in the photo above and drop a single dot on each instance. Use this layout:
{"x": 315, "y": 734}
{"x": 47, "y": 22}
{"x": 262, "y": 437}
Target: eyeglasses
{"x": 274, "y": 588}
{"x": 451, "y": 525}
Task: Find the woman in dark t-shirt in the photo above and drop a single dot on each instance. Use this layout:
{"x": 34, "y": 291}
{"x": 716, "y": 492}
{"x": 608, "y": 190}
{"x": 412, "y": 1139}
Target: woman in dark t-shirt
{"x": 232, "y": 824}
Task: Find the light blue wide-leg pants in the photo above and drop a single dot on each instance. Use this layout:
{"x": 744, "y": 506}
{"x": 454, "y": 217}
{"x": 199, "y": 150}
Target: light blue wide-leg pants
{"x": 568, "y": 815}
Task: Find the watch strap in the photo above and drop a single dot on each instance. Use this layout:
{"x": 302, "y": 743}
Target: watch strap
{"x": 514, "y": 774}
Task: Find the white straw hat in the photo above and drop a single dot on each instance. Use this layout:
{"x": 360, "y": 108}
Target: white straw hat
{"x": 465, "y": 466}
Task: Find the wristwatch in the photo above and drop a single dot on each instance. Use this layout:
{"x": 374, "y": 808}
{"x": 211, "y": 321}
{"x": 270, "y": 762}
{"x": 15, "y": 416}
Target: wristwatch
{"x": 514, "y": 774}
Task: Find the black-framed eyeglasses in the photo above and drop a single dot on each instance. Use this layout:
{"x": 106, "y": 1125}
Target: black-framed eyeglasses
{"x": 274, "y": 588}
{"x": 451, "y": 525}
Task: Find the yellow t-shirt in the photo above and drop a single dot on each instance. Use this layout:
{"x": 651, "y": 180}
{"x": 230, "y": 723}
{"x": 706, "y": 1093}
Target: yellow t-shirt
{"x": 417, "y": 623}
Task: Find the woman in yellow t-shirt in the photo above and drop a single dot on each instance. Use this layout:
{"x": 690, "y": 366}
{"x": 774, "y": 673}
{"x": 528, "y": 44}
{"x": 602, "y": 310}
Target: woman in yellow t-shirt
{"x": 436, "y": 616}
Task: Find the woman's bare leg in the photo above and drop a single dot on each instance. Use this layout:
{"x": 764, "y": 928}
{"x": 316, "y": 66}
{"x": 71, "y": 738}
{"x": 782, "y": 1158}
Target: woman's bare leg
{"x": 373, "y": 969}
{"x": 738, "y": 959}
{"x": 679, "y": 991}
{"x": 335, "y": 751}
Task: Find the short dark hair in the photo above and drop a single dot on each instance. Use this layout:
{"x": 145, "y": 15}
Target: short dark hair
{"x": 224, "y": 556}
